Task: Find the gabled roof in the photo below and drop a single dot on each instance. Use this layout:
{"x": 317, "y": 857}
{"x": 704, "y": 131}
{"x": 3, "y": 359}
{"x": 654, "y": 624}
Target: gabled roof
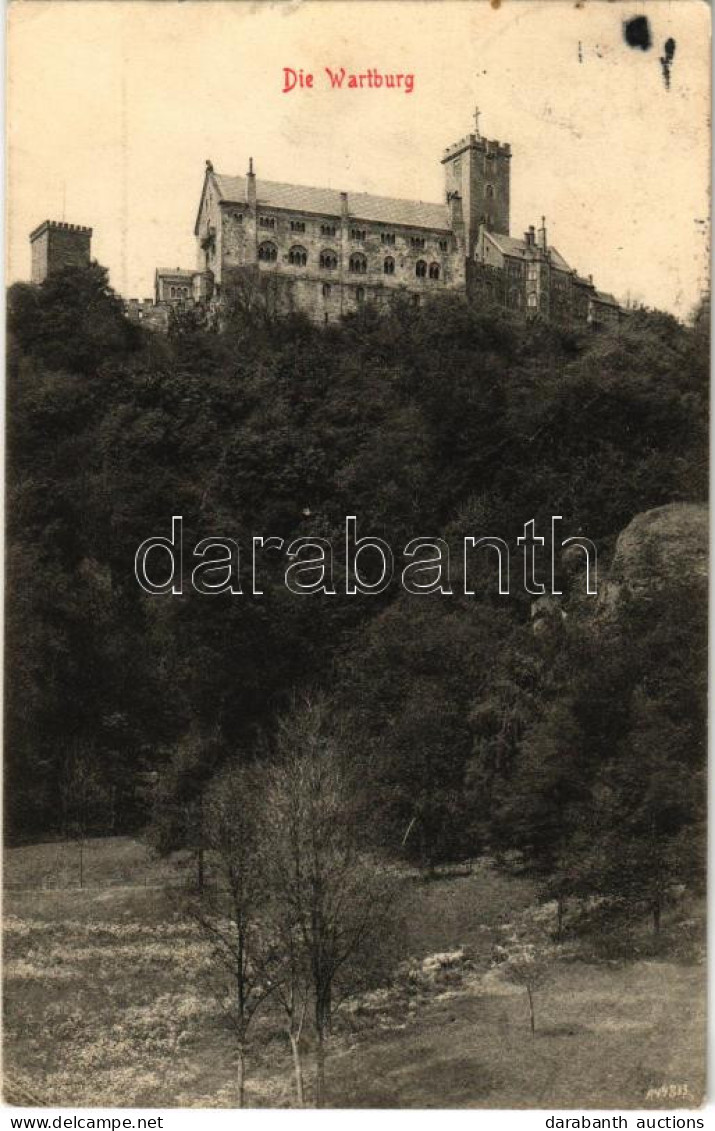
{"x": 328, "y": 202}
{"x": 508, "y": 245}
{"x": 606, "y": 298}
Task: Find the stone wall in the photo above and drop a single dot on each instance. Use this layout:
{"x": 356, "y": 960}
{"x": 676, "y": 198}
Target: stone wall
{"x": 321, "y": 291}
{"x": 56, "y": 245}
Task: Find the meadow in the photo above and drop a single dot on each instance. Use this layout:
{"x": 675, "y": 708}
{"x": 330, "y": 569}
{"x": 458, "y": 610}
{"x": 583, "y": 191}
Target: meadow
{"x": 105, "y": 1001}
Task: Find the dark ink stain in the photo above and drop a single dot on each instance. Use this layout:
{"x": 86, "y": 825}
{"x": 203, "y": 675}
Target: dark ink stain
{"x": 496, "y": 4}
{"x": 666, "y": 60}
{"x": 636, "y": 32}
{"x": 580, "y": 52}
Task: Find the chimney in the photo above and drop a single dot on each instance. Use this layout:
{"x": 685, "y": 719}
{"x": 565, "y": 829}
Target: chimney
{"x": 250, "y": 185}
{"x": 542, "y": 234}
{"x": 344, "y": 205}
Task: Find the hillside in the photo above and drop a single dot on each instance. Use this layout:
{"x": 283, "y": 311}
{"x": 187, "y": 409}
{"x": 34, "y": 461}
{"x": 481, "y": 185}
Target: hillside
{"x": 117, "y": 973}
{"x": 240, "y": 746}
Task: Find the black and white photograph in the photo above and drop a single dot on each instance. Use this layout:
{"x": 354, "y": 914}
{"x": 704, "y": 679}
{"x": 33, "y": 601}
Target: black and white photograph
{"x": 356, "y": 559}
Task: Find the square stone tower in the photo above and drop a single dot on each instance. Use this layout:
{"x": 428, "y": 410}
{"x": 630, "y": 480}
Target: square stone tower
{"x": 56, "y": 245}
{"x": 478, "y": 171}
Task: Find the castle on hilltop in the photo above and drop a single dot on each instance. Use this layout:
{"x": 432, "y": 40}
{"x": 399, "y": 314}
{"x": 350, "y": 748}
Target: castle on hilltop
{"x": 326, "y": 253}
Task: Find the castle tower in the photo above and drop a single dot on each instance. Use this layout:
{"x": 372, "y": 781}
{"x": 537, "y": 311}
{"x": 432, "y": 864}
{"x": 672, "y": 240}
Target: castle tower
{"x": 56, "y": 245}
{"x": 478, "y": 171}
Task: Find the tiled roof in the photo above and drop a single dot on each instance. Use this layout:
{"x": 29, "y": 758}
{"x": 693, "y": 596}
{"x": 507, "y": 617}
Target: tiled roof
{"x": 558, "y": 260}
{"x": 327, "y": 202}
{"x": 604, "y": 297}
{"x": 511, "y": 246}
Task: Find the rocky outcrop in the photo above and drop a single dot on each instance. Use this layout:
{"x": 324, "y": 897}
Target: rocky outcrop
{"x": 664, "y": 546}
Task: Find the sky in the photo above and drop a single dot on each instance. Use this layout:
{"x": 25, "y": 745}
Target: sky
{"x": 113, "y": 109}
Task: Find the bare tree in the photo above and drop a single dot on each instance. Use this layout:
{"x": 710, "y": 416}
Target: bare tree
{"x": 82, "y": 798}
{"x": 334, "y": 898}
{"x": 285, "y": 971}
{"x": 229, "y": 916}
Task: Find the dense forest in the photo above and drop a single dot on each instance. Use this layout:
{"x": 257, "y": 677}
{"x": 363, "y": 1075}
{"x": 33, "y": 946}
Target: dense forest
{"x": 578, "y": 749}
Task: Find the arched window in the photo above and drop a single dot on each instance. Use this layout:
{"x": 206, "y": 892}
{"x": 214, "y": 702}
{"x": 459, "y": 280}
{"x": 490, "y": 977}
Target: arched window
{"x": 531, "y": 300}
{"x": 360, "y": 294}
{"x": 328, "y": 260}
{"x": 421, "y": 269}
{"x": 358, "y": 264}
{"x": 327, "y": 289}
{"x": 298, "y": 256}
{"x": 434, "y": 270}
{"x": 267, "y": 253}
{"x": 172, "y": 292}
{"x": 389, "y": 266}
{"x": 489, "y": 191}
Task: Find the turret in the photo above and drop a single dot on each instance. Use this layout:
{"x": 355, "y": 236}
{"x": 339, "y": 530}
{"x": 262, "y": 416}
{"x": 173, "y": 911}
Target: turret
{"x": 250, "y": 185}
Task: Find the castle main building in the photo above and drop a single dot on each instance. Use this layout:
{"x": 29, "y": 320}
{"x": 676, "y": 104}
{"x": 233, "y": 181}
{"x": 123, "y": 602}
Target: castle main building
{"x": 326, "y": 252}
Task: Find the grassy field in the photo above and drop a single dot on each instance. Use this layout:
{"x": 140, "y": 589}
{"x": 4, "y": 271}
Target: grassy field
{"x": 105, "y": 1003}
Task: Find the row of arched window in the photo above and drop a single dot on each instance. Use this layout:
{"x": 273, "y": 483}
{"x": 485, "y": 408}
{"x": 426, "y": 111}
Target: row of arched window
{"x": 422, "y": 270}
{"x": 179, "y": 292}
{"x": 357, "y": 264}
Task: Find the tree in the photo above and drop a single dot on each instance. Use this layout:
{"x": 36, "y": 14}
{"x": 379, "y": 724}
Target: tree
{"x": 527, "y": 965}
{"x": 83, "y": 798}
{"x": 335, "y": 899}
{"x": 72, "y": 321}
{"x": 285, "y": 969}
{"x": 179, "y": 819}
{"x": 229, "y": 916}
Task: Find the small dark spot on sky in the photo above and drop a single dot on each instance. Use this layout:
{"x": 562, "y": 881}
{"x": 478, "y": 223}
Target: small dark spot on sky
{"x": 580, "y": 51}
{"x": 636, "y": 32}
{"x": 666, "y": 60}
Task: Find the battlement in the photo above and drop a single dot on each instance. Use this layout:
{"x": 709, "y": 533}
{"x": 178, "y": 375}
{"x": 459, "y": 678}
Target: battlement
{"x": 478, "y": 143}
{"x": 56, "y": 245}
{"x": 58, "y": 226}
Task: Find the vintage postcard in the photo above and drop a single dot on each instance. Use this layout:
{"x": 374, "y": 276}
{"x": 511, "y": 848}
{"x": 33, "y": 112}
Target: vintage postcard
{"x": 356, "y": 558}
